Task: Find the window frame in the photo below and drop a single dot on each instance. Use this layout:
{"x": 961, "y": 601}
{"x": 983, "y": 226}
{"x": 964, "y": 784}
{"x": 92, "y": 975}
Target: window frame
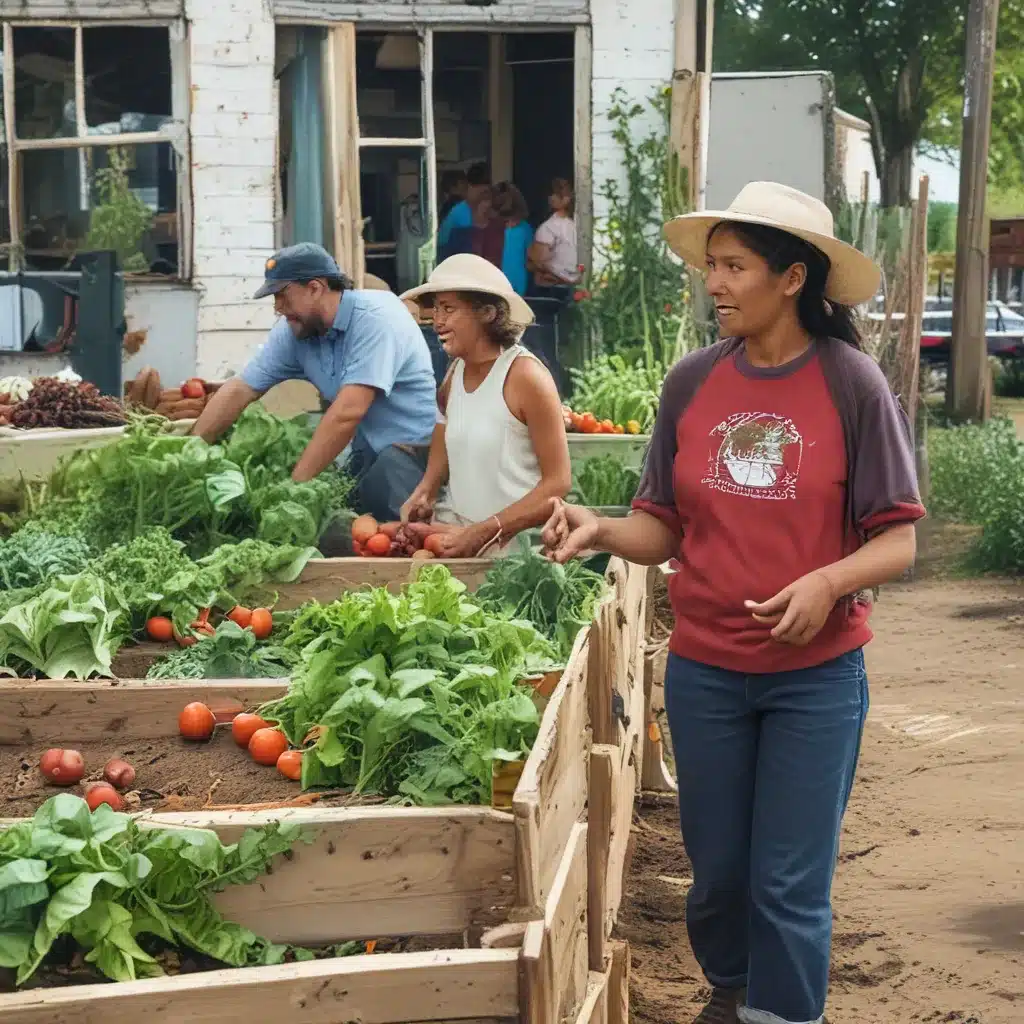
{"x": 176, "y": 132}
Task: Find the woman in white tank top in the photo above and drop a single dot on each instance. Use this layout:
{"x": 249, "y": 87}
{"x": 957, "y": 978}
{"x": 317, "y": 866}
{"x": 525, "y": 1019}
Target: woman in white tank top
{"x": 499, "y": 443}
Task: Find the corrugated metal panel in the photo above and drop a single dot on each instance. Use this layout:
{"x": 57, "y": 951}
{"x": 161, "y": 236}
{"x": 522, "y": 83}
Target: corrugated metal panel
{"x": 85, "y": 9}
{"x": 438, "y": 12}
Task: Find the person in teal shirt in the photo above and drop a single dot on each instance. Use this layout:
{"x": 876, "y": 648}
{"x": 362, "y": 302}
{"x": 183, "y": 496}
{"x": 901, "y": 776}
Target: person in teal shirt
{"x": 461, "y": 214}
{"x": 510, "y": 205}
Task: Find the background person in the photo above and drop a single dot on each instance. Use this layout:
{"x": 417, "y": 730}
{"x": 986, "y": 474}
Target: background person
{"x": 510, "y": 206}
{"x": 781, "y": 476}
{"x": 461, "y": 215}
{"x": 367, "y": 357}
{"x": 553, "y": 256}
{"x": 454, "y": 189}
{"x": 500, "y": 442}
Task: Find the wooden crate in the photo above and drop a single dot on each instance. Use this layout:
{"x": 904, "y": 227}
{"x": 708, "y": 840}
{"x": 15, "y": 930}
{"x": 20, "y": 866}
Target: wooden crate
{"x": 332, "y": 891}
{"x": 530, "y": 867}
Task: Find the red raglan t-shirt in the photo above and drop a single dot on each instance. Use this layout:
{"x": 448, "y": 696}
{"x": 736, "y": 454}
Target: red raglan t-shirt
{"x": 759, "y": 494}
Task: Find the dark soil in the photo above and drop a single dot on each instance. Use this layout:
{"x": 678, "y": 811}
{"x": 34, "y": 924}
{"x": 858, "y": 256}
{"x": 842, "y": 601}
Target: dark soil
{"x": 171, "y": 774}
{"x": 66, "y": 965}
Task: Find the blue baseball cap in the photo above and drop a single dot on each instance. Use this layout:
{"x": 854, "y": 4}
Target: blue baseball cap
{"x": 298, "y": 263}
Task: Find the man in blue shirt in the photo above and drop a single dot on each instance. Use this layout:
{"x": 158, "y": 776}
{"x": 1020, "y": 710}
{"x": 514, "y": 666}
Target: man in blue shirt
{"x": 368, "y": 358}
{"x": 460, "y": 216}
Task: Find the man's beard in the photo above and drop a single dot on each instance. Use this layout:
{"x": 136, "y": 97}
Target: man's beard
{"x": 312, "y": 327}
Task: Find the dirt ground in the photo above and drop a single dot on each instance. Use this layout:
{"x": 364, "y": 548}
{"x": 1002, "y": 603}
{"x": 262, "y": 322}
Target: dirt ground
{"x": 929, "y": 894}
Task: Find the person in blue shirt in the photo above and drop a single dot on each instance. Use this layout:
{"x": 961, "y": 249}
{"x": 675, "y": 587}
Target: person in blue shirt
{"x": 460, "y": 216}
{"x": 510, "y": 206}
{"x": 367, "y": 357}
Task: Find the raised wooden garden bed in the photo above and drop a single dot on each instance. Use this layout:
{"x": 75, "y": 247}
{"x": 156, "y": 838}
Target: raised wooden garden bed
{"x": 540, "y": 897}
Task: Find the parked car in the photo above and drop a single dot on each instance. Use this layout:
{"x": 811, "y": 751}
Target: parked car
{"x": 1004, "y": 330}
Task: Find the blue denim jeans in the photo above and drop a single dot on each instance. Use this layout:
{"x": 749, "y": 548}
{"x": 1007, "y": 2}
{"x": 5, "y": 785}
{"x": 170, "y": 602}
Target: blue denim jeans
{"x": 766, "y": 765}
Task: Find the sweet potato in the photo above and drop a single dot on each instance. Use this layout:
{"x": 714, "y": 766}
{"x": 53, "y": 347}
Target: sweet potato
{"x": 187, "y": 409}
{"x": 170, "y": 396}
{"x": 151, "y": 391}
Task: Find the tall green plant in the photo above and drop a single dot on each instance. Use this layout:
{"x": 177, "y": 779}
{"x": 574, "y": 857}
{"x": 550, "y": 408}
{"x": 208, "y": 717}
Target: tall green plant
{"x": 638, "y": 299}
{"x": 120, "y": 218}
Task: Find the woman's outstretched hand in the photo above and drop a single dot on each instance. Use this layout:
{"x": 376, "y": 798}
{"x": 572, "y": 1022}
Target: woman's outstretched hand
{"x": 569, "y": 532}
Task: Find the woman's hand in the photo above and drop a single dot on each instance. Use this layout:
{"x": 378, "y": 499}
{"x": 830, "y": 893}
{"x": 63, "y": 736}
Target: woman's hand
{"x": 570, "y": 531}
{"x": 457, "y": 541}
{"x": 420, "y": 506}
{"x": 798, "y": 612}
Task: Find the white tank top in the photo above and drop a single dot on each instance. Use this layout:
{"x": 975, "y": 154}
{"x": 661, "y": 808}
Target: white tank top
{"x": 491, "y": 461}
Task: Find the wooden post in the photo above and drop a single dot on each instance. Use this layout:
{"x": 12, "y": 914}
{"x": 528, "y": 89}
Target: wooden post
{"x": 966, "y": 387}
{"x": 603, "y": 759}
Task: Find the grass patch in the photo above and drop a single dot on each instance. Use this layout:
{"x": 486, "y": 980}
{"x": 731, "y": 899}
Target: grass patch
{"x": 977, "y": 478}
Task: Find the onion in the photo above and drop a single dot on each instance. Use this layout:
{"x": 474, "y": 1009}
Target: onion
{"x": 119, "y": 773}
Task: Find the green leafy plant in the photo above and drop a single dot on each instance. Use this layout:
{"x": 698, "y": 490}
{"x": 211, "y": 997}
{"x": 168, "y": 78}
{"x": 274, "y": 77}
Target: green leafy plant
{"x": 69, "y": 629}
{"x": 231, "y": 653}
{"x": 612, "y": 389}
{"x": 413, "y": 695}
{"x": 120, "y": 219}
{"x": 977, "y": 477}
{"x": 604, "y": 481}
{"x": 558, "y": 599}
{"x": 109, "y": 885}
{"x": 638, "y": 299}
{"x": 34, "y": 554}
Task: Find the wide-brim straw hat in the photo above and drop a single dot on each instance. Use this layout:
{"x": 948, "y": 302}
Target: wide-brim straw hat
{"x": 853, "y": 277}
{"x": 465, "y": 272}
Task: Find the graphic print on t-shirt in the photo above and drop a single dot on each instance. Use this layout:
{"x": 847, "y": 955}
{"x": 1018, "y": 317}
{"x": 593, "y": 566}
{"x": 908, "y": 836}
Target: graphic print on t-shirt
{"x": 758, "y": 456}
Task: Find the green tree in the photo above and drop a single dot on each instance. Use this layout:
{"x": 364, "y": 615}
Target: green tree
{"x": 897, "y": 63}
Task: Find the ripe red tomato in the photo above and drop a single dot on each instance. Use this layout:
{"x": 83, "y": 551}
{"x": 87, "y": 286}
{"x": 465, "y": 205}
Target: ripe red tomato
{"x": 193, "y": 388}
{"x": 196, "y": 721}
{"x": 243, "y": 726}
{"x": 267, "y": 745}
{"x": 379, "y": 545}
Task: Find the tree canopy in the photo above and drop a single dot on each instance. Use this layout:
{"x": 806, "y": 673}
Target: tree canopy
{"x": 899, "y": 64}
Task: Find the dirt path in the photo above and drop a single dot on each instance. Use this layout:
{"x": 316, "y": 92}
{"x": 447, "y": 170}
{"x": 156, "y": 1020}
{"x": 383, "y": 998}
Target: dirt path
{"x": 929, "y": 899}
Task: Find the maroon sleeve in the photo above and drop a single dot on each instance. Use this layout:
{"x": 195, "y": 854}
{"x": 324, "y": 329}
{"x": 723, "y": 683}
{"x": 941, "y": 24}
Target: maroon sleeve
{"x": 656, "y": 493}
{"x": 885, "y": 491}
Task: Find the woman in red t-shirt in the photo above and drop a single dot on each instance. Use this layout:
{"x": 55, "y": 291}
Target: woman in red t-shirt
{"x": 781, "y": 478}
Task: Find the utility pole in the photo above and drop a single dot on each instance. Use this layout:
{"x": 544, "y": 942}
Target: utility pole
{"x": 968, "y": 380}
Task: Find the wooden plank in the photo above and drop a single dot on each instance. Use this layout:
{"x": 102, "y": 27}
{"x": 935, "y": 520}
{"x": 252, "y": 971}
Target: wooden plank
{"x": 49, "y": 712}
{"x": 583, "y": 142}
{"x": 618, "y": 983}
{"x": 554, "y": 956}
{"x": 372, "y": 872}
{"x": 324, "y": 579}
{"x": 600, "y": 672}
{"x": 442, "y": 986}
{"x": 514, "y": 13}
{"x": 114, "y": 10}
{"x": 603, "y": 759}
{"x": 552, "y": 793}
{"x": 595, "y": 1006}
{"x": 624, "y": 787}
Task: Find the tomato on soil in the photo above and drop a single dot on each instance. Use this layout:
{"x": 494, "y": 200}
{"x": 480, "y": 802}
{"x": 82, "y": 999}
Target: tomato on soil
{"x": 62, "y": 767}
{"x": 243, "y": 726}
{"x": 103, "y": 793}
{"x": 289, "y": 764}
{"x": 267, "y": 745}
{"x": 196, "y": 721}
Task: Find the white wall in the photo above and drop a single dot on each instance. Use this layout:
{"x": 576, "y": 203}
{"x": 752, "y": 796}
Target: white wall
{"x": 633, "y": 48}
{"x": 234, "y": 132}
{"x": 167, "y": 313}
{"x": 858, "y": 159}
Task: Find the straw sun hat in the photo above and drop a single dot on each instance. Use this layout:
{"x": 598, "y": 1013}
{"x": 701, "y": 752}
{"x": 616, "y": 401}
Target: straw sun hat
{"x": 853, "y": 278}
{"x": 465, "y": 272}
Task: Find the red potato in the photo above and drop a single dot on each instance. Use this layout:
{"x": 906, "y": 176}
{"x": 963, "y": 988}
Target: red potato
{"x": 97, "y": 793}
{"x": 267, "y": 745}
{"x": 196, "y": 721}
{"x": 119, "y": 773}
{"x": 62, "y": 767}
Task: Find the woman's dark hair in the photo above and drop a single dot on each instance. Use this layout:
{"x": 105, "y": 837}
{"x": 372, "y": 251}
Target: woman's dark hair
{"x": 819, "y": 317}
{"x": 479, "y": 174}
{"x": 501, "y": 330}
